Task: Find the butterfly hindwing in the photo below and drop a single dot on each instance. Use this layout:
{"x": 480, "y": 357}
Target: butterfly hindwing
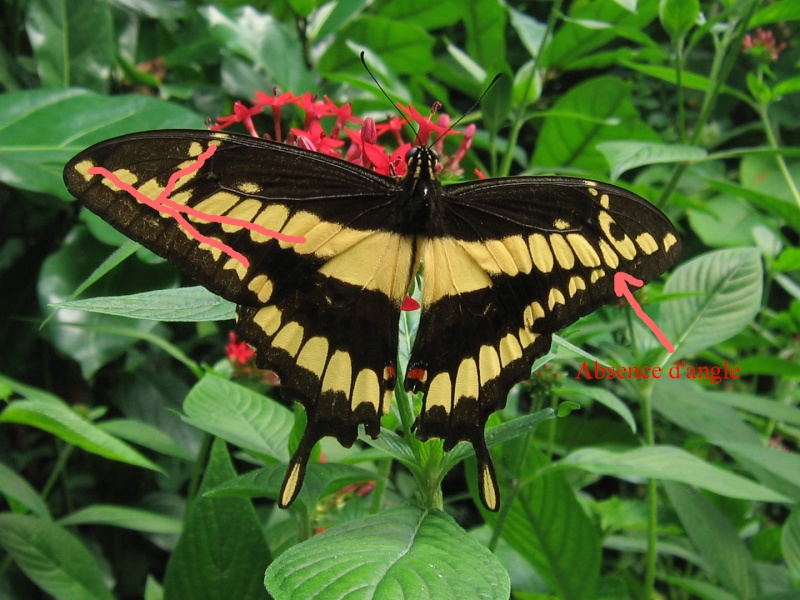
{"x": 318, "y": 313}
{"x": 513, "y": 261}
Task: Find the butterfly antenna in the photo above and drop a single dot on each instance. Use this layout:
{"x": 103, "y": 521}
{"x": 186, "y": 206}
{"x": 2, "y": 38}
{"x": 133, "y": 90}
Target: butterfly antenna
{"x": 386, "y": 95}
{"x": 470, "y": 109}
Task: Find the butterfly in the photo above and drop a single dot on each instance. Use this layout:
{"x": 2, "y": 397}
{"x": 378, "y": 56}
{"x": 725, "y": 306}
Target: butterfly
{"x": 319, "y": 254}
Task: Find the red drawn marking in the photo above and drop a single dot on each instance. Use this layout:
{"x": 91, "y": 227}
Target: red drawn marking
{"x": 409, "y": 304}
{"x": 163, "y": 204}
{"x": 621, "y": 282}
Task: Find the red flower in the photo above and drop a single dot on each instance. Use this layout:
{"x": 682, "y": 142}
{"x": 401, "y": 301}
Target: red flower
{"x": 763, "y": 45}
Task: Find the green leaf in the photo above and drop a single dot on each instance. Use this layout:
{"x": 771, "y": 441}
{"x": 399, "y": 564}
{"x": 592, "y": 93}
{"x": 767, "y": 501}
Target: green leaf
{"x": 598, "y": 110}
{"x": 240, "y": 416}
{"x": 222, "y": 552}
{"x": 625, "y": 155}
{"x": 574, "y": 41}
{"x": 192, "y": 304}
{"x": 781, "y": 10}
{"x": 772, "y": 204}
{"x": 787, "y": 86}
{"x": 146, "y": 435}
{"x": 88, "y": 337}
{"x": 402, "y": 47}
{"x": 13, "y": 486}
{"x": 73, "y": 44}
{"x": 485, "y": 25}
{"x": 268, "y": 43}
{"x": 422, "y": 13}
{"x": 717, "y": 540}
{"x": 123, "y": 516}
{"x": 670, "y": 464}
{"x": 542, "y": 517}
{"x": 63, "y": 422}
{"x": 40, "y": 130}
{"x": 721, "y": 294}
{"x": 402, "y": 552}
{"x": 53, "y": 558}
{"x": 530, "y": 31}
{"x": 770, "y": 365}
{"x": 678, "y": 16}
{"x": 790, "y": 542}
{"x": 601, "y": 395}
{"x": 730, "y": 224}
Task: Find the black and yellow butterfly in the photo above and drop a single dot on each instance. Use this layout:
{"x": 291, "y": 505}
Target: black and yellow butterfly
{"x": 507, "y": 262}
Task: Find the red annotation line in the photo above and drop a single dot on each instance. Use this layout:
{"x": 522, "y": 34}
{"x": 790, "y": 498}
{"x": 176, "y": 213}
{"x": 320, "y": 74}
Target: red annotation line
{"x": 621, "y": 282}
{"x": 163, "y": 204}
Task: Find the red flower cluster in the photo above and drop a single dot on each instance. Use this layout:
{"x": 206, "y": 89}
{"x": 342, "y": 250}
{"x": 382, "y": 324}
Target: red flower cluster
{"x": 363, "y": 148}
{"x": 763, "y": 45}
{"x": 243, "y": 360}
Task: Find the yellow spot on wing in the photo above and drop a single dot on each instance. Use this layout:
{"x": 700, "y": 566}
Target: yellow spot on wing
{"x": 526, "y": 337}
{"x": 584, "y": 250}
{"x": 510, "y": 350}
{"x": 339, "y": 374}
{"x": 195, "y": 149}
{"x": 216, "y": 204}
{"x": 489, "y": 364}
{"x": 244, "y": 211}
{"x": 561, "y": 224}
{"x": 647, "y": 243}
{"x": 82, "y": 168}
{"x": 538, "y": 311}
{"x": 367, "y": 390}
{"x": 624, "y": 246}
{"x": 487, "y": 485}
{"x": 268, "y": 319}
{"x": 299, "y": 224}
{"x": 440, "y": 393}
{"x": 669, "y": 241}
{"x": 596, "y": 274}
{"x": 562, "y": 251}
{"x": 575, "y": 283}
{"x": 273, "y": 217}
{"x": 605, "y": 201}
{"x": 292, "y": 481}
{"x": 555, "y": 297}
{"x": 289, "y": 338}
{"x": 261, "y": 286}
{"x": 124, "y": 175}
{"x": 236, "y": 265}
{"x": 609, "y": 256}
{"x": 152, "y": 189}
{"x": 541, "y": 253}
{"x": 248, "y": 187}
{"x": 314, "y": 355}
{"x": 467, "y": 385}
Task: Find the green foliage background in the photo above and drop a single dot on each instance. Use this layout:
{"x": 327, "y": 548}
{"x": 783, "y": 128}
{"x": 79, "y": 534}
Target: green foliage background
{"x": 132, "y": 467}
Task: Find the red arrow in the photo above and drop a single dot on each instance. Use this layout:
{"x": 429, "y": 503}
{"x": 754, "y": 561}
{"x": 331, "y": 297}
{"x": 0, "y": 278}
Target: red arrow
{"x": 621, "y": 282}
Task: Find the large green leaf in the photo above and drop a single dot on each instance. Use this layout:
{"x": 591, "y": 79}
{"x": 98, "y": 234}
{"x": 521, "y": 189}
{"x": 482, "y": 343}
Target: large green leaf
{"x": 626, "y": 155}
{"x": 181, "y": 304}
{"x": 591, "y": 26}
{"x": 40, "y": 130}
{"x": 53, "y": 558}
{"x": 790, "y": 541}
{"x": 222, "y": 552}
{"x": 268, "y": 43}
{"x": 716, "y": 539}
{"x": 73, "y": 43}
{"x": 63, "y": 422}
{"x": 721, "y": 293}
{"x": 402, "y": 47}
{"x": 400, "y": 553}
{"x": 485, "y": 25}
{"x": 15, "y": 488}
{"x": 87, "y": 337}
{"x": 671, "y": 464}
{"x": 598, "y": 110}
{"x": 125, "y": 517}
{"x": 240, "y": 416}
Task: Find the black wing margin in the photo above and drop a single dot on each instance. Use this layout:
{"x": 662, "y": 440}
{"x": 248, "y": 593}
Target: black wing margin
{"x": 513, "y": 261}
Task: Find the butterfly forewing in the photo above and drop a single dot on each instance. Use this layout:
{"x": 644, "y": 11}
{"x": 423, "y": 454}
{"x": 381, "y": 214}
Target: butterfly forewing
{"x": 319, "y": 254}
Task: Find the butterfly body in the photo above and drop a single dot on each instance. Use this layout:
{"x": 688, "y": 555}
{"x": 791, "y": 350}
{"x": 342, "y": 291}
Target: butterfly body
{"x": 505, "y": 262}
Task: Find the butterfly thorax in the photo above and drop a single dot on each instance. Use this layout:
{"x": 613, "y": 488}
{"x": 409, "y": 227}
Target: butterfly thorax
{"x": 422, "y": 188}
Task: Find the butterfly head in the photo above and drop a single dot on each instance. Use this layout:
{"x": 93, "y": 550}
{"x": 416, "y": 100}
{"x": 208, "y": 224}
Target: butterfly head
{"x": 422, "y": 163}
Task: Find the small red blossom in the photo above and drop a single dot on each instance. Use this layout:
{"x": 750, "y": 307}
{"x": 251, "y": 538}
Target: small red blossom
{"x": 243, "y": 361}
{"x": 763, "y": 45}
